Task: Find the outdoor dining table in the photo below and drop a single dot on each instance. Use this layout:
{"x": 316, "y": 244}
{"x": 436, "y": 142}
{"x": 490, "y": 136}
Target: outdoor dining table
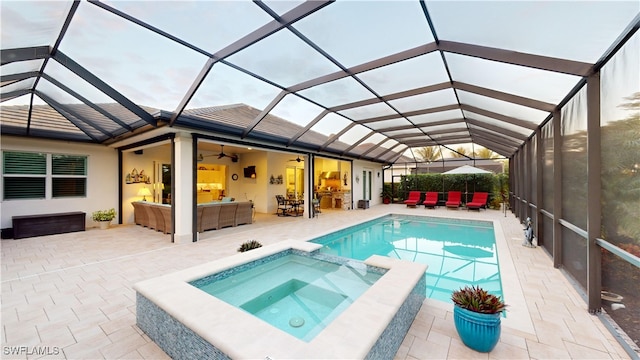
{"x": 295, "y": 203}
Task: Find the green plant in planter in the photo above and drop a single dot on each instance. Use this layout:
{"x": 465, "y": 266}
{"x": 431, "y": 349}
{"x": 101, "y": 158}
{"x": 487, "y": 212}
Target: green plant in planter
{"x": 476, "y": 315}
{"x": 104, "y": 215}
{"x": 249, "y": 245}
{"x": 386, "y": 193}
{"x": 478, "y": 300}
{"x": 496, "y": 201}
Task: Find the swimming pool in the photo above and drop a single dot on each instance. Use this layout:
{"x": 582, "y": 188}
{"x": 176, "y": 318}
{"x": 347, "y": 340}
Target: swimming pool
{"x": 458, "y": 252}
{"x": 298, "y": 294}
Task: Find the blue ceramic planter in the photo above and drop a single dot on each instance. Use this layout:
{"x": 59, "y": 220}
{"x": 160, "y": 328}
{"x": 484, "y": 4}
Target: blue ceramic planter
{"x": 478, "y": 331}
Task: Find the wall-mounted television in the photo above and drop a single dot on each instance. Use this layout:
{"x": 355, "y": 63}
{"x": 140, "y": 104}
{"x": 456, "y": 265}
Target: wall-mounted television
{"x": 250, "y": 172}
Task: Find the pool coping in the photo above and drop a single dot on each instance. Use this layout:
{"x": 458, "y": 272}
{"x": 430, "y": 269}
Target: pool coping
{"x": 352, "y": 334}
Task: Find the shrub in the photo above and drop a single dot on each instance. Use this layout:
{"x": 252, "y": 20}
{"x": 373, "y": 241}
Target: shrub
{"x": 615, "y": 270}
{"x": 495, "y": 202}
{"x": 104, "y": 215}
{"x": 249, "y": 245}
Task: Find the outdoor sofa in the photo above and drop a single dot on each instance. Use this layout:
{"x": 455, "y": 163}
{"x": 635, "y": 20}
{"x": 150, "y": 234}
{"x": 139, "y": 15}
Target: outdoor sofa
{"x": 211, "y": 216}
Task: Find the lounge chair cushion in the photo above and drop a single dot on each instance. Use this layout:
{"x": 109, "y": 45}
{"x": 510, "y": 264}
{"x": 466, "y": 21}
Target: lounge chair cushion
{"x": 413, "y": 199}
{"x": 454, "y": 199}
{"x": 431, "y": 199}
{"x": 479, "y": 200}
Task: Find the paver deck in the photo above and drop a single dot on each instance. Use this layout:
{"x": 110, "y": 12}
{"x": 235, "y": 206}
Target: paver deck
{"x": 70, "y": 295}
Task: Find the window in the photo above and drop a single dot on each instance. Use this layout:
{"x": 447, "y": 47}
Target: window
{"x": 24, "y": 175}
{"x": 69, "y": 175}
{"x": 28, "y": 175}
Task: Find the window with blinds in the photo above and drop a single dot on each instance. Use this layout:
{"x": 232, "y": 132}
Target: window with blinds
{"x": 24, "y": 175}
{"x": 69, "y": 175}
{"x": 27, "y": 174}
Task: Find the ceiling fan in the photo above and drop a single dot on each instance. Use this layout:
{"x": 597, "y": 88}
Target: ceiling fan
{"x": 233, "y": 157}
{"x": 222, "y": 154}
{"x": 297, "y": 159}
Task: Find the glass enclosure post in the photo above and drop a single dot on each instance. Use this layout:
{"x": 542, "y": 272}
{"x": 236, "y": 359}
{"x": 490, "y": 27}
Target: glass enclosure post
{"x": 539, "y": 179}
{"x": 594, "y": 191}
{"x": 557, "y": 188}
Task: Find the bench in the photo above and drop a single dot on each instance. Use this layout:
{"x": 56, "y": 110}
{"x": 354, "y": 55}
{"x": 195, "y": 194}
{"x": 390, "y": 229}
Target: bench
{"x": 47, "y": 224}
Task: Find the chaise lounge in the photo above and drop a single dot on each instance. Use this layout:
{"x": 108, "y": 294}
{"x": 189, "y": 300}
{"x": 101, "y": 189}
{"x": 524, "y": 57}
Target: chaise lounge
{"x": 454, "y": 199}
{"x": 413, "y": 199}
{"x": 431, "y": 199}
{"x": 479, "y": 201}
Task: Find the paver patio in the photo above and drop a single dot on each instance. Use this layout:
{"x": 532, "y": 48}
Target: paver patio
{"x": 70, "y": 295}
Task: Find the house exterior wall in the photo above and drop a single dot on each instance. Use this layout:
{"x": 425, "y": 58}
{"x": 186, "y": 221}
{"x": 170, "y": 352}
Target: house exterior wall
{"x": 103, "y": 177}
{"x": 102, "y": 180}
{"x": 376, "y": 182}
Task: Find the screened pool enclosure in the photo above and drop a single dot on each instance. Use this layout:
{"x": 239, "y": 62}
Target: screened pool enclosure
{"x": 554, "y": 87}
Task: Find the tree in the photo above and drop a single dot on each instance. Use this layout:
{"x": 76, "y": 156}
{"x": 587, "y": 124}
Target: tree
{"x": 621, "y": 175}
{"x": 460, "y": 152}
{"x": 484, "y": 153}
{"x": 429, "y": 153}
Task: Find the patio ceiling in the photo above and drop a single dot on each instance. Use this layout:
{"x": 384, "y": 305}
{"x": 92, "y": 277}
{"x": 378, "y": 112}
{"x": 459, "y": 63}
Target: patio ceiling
{"x": 361, "y": 79}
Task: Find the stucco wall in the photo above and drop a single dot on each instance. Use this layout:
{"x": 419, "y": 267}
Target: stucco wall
{"x": 102, "y": 180}
{"x": 376, "y": 182}
{"x": 245, "y": 189}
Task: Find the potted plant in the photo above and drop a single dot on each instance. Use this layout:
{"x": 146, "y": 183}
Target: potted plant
{"x": 104, "y": 217}
{"x": 476, "y": 315}
{"x": 386, "y": 194}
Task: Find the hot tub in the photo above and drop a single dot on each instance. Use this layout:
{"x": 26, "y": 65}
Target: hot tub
{"x": 294, "y": 291}
{"x": 186, "y": 321}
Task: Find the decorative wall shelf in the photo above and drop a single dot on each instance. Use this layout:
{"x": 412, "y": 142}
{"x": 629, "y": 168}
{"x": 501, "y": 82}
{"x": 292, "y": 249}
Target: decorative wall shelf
{"x": 276, "y": 180}
{"x": 135, "y": 177}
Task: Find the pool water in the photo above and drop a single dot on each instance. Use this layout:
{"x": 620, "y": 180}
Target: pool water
{"x": 298, "y": 294}
{"x": 458, "y": 252}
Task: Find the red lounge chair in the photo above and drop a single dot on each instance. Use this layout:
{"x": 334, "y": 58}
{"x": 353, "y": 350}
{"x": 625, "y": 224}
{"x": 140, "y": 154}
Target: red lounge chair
{"x": 431, "y": 199}
{"x": 413, "y": 199}
{"x": 479, "y": 201}
{"x": 453, "y": 199}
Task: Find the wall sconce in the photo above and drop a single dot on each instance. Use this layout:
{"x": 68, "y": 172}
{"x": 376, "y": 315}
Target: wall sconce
{"x": 144, "y": 192}
{"x": 357, "y": 179}
{"x": 378, "y": 173}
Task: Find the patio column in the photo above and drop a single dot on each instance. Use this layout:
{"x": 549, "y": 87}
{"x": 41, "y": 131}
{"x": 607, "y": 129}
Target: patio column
{"x": 182, "y": 197}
